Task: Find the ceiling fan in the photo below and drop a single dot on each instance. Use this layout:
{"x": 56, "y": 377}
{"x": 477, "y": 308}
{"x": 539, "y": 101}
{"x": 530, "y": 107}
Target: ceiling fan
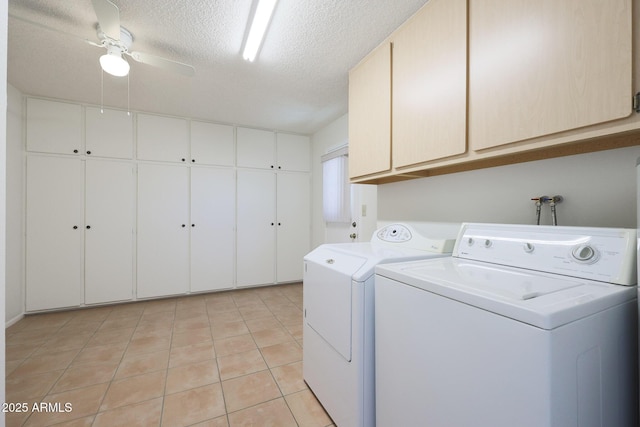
{"x": 117, "y": 40}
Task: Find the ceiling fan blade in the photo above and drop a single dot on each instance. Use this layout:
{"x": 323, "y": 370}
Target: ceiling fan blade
{"x": 46, "y": 27}
{"x": 108, "y": 16}
{"x": 167, "y": 64}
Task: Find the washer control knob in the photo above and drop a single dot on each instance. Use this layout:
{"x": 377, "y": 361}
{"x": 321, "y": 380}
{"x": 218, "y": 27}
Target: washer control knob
{"x": 528, "y": 247}
{"x": 488, "y": 243}
{"x": 583, "y": 253}
{"x": 470, "y": 241}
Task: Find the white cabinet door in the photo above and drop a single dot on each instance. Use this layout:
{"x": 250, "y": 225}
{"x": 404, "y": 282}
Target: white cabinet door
{"x": 212, "y": 144}
{"x": 163, "y": 138}
{"x": 213, "y": 201}
{"x": 294, "y": 152}
{"x": 163, "y": 235}
{"x": 109, "y": 219}
{"x": 108, "y": 133}
{"x": 294, "y": 222}
{"x": 54, "y": 127}
{"x": 256, "y": 148}
{"x": 256, "y": 227}
{"x": 54, "y": 231}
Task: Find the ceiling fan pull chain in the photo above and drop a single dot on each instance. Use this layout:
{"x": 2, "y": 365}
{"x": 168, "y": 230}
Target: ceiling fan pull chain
{"x": 101, "y": 91}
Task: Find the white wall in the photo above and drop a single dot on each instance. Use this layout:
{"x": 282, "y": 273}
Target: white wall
{"x": 599, "y": 190}
{"x": 3, "y": 143}
{"x": 15, "y": 209}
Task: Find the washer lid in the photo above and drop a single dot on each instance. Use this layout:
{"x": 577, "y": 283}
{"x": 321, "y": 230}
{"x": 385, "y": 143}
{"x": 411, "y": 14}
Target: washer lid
{"x": 543, "y": 300}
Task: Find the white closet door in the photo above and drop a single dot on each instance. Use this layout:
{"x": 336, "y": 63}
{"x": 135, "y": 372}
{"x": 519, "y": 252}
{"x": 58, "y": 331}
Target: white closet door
{"x": 255, "y": 148}
{"x": 163, "y": 232}
{"x": 294, "y": 222}
{"x": 54, "y": 127}
{"x": 54, "y": 228}
{"x": 212, "y": 144}
{"x": 294, "y": 152}
{"x": 256, "y": 227}
{"x": 213, "y": 202}
{"x": 109, "y": 218}
{"x": 163, "y": 139}
{"x": 108, "y": 133}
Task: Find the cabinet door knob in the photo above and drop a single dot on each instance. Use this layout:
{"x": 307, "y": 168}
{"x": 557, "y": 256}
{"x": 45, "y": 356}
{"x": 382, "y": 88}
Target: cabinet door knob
{"x": 75, "y": 151}
{"x": 193, "y": 160}
{"x": 279, "y": 167}
{"x": 184, "y": 160}
{"x": 88, "y": 227}
{"x": 271, "y": 166}
{"x": 88, "y": 152}
{"x": 279, "y": 224}
{"x": 193, "y": 225}
{"x": 272, "y": 223}
{"x": 184, "y": 225}
{"x": 75, "y": 227}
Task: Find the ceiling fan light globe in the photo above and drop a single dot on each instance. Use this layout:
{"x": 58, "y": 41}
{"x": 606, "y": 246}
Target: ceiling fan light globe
{"x": 114, "y": 64}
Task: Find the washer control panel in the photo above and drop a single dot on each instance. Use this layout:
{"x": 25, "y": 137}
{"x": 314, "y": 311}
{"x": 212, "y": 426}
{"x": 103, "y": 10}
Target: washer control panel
{"x": 394, "y": 233}
{"x": 603, "y": 254}
{"x": 405, "y": 236}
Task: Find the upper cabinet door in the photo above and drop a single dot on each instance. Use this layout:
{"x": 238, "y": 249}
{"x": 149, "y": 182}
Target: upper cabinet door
{"x": 163, "y": 138}
{"x": 546, "y": 66}
{"x": 430, "y": 84}
{"x": 108, "y": 133}
{"x": 54, "y": 127}
{"x": 256, "y": 148}
{"x": 294, "y": 152}
{"x": 212, "y": 144}
{"x": 370, "y": 114}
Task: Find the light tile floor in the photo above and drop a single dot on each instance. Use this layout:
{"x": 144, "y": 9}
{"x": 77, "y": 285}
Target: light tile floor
{"x": 222, "y": 359}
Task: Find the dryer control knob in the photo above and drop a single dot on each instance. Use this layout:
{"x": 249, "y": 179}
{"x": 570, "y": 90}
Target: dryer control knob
{"x": 488, "y": 243}
{"x": 528, "y": 247}
{"x": 584, "y": 253}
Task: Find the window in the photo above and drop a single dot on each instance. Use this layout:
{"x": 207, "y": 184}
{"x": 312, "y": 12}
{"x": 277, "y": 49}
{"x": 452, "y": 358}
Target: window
{"x": 336, "y": 204}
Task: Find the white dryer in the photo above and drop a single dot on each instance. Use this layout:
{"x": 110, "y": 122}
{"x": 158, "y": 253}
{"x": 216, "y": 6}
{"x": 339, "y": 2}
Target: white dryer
{"x": 524, "y": 326}
{"x": 338, "y": 283}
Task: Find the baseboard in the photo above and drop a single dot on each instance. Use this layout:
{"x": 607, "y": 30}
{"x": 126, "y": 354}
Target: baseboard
{"x": 14, "y": 320}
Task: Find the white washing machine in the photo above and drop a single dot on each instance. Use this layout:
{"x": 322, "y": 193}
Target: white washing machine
{"x": 338, "y": 360}
{"x": 524, "y": 326}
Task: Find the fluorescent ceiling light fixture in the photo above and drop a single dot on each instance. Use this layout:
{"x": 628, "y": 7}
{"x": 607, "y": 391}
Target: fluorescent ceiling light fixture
{"x": 113, "y": 62}
{"x": 259, "y": 24}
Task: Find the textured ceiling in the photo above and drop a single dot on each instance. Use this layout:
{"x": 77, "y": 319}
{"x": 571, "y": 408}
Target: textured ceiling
{"x": 298, "y": 82}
